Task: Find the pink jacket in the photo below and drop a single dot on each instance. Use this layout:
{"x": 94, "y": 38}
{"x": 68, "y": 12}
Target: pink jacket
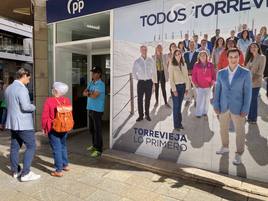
{"x": 204, "y": 77}
{"x": 49, "y": 111}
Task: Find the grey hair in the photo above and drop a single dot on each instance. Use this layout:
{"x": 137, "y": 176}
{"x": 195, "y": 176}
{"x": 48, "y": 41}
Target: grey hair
{"x": 61, "y": 88}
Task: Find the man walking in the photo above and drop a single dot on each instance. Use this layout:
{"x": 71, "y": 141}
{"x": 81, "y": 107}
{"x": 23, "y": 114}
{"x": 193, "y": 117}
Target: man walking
{"x": 95, "y": 105}
{"x": 232, "y": 102}
{"x": 143, "y": 71}
{"x": 20, "y": 122}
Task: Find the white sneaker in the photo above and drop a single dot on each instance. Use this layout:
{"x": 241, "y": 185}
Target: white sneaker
{"x": 222, "y": 151}
{"x": 16, "y": 175}
{"x": 237, "y": 159}
{"x": 30, "y": 177}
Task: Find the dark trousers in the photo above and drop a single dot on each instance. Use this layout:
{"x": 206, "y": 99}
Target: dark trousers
{"x": 95, "y": 129}
{"x": 162, "y": 81}
{"x": 267, "y": 86}
{"x": 58, "y": 145}
{"x": 3, "y": 116}
{"x": 145, "y": 87}
{"x": 253, "y": 111}
{"x": 177, "y": 102}
{"x": 17, "y": 139}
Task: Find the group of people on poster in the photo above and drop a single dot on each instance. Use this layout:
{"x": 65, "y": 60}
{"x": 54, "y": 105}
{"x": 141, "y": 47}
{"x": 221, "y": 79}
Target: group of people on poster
{"x": 230, "y": 69}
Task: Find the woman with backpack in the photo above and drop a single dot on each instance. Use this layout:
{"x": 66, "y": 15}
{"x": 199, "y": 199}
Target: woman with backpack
{"x": 57, "y": 120}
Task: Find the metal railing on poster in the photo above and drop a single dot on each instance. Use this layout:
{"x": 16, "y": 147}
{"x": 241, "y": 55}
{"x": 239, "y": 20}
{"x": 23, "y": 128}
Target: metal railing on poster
{"x": 130, "y": 101}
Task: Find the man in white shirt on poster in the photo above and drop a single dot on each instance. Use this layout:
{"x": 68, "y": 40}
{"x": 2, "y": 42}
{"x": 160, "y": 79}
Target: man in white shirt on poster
{"x": 144, "y": 71}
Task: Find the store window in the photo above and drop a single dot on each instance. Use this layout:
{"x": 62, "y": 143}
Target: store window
{"x": 94, "y": 26}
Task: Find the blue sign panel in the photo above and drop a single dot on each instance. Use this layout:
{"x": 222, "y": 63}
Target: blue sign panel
{"x": 65, "y": 9}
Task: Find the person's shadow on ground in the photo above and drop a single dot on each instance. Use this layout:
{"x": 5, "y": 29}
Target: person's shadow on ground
{"x": 257, "y": 145}
{"x": 126, "y": 140}
{"x": 197, "y": 130}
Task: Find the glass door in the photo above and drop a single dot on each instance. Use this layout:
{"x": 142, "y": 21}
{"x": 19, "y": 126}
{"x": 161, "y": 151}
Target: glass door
{"x": 79, "y": 83}
{"x": 103, "y": 62}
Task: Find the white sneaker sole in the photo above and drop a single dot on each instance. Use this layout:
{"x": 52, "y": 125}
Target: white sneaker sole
{"x": 236, "y": 163}
{"x": 222, "y": 153}
{"x": 32, "y": 179}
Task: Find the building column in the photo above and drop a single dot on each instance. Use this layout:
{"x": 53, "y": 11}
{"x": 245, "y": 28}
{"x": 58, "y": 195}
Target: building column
{"x": 40, "y": 38}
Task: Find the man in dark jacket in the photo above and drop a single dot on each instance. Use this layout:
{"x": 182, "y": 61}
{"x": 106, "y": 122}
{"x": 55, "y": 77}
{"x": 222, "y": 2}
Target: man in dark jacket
{"x": 214, "y": 38}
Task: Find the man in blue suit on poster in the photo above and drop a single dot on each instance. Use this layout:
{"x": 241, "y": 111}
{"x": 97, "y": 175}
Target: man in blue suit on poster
{"x": 232, "y": 101}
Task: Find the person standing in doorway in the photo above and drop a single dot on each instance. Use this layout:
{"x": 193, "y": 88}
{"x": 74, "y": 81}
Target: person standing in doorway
{"x": 232, "y": 101}
{"x": 95, "y": 93}
{"x": 162, "y": 74}
{"x": 144, "y": 71}
{"x": 255, "y": 62}
{"x": 20, "y": 122}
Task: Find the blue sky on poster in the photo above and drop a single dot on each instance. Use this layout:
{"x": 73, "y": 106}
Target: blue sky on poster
{"x": 141, "y": 19}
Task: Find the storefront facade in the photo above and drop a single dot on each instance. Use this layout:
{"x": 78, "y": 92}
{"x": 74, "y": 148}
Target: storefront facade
{"x": 83, "y": 34}
{"x": 16, "y": 51}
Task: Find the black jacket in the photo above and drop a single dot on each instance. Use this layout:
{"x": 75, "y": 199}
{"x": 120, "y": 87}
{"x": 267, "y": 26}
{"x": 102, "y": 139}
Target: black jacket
{"x": 190, "y": 64}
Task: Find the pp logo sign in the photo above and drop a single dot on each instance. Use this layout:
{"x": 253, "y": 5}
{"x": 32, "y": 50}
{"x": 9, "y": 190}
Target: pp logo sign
{"x": 75, "y": 6}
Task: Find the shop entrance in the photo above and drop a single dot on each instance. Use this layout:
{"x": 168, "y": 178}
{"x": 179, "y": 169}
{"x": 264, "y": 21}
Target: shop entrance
{"x": 73, "y": 64}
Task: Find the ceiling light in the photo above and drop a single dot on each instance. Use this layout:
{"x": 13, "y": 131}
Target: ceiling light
{"x": 90, "y": 26}
{"x": 22, "y": 11}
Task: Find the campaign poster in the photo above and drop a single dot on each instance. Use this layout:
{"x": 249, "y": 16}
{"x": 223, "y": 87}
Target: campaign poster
{"x": 163, "y": 22}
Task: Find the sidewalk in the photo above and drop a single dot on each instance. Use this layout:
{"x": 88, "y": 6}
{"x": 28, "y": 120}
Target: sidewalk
{"x": 102, "y": 180}
{"x": 188, "y": 173}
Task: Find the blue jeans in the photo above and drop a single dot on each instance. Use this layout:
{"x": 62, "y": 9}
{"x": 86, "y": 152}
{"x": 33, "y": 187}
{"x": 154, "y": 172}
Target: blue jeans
{"x": 17, "y": 139}
{"x": 4, "y": 116}
{"x": 57, "y": 142}
{"x": 177, "y": 102}
{"x": 253, "y": 111}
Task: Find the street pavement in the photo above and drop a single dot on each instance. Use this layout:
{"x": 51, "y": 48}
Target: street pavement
{"x": 101, "y": 180}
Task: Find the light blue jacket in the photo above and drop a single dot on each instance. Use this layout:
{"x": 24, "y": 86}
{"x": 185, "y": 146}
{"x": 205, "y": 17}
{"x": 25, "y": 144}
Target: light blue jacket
{"x": 235, "y": 97}
{"x": 19, "y": 108}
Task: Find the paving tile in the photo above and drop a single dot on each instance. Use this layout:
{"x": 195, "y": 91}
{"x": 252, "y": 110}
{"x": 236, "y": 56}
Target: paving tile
{"x": 166, "y": 198}
{"x": 50, "y": 194}
{"x": 201, "y": 196}
{"x": 118, "y": 175}
{"x": 101, "y": 195}
{"x": 137, "y": 193}
{"x": 143, "y": 182}
{"x": 75, "y": 188}
{"x": 18, "y": 196}
{"x": 172, "y": 191}
{"x": 125, "y": 199}
{"x": 114, "y": 187}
